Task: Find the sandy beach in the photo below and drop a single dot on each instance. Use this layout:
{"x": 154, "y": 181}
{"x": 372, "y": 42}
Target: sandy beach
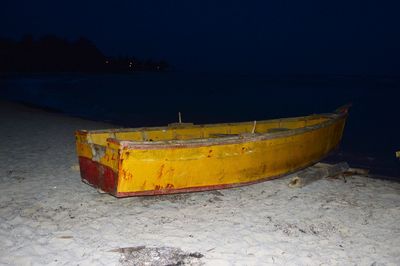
{"x": 49, "y": 217}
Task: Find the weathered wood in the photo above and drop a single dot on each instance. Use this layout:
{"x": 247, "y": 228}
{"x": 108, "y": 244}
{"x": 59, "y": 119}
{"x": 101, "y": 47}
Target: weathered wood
{"x": 357, "y": 171}
{"x": 350, "y": 171}
{"x": 317, "y": 172}
{"x": 179, "y": 125}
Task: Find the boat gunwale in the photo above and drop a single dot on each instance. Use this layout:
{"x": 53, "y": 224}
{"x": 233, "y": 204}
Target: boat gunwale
{"x": 247, "y": 137}
{"x": 176, "y": 125}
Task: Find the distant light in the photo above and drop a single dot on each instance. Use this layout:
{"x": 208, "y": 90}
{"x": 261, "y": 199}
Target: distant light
{"x": 107, "y": 62}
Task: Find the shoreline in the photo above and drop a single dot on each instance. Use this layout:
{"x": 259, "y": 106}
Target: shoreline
{"x": 334, "y": 157}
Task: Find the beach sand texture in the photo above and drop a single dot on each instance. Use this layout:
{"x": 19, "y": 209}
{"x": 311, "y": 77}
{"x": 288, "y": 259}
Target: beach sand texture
{"x": 49, "y": 217}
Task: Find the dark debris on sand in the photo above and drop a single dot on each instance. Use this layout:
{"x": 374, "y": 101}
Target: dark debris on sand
{"x": 157, "y": 256}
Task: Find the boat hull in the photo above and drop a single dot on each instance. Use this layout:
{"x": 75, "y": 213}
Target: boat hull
{"x": 125, "y": 168}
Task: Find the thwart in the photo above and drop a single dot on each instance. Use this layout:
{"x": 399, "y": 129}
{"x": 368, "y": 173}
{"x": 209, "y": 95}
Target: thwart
{"x": 186, "y": 157}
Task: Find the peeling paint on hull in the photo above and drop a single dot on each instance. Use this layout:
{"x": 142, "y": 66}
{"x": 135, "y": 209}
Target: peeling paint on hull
{"x": 98, "y": 175}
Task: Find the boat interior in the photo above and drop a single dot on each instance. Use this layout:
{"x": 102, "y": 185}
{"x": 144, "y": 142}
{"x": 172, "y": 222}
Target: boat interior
{"x": 189, "y": 131}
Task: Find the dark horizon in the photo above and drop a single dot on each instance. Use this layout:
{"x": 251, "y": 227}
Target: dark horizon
{"x": 95, "y": 60}
{"x": 344, "y": 38}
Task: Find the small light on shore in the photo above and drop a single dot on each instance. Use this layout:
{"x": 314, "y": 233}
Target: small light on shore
{"x": 107, "y": 62}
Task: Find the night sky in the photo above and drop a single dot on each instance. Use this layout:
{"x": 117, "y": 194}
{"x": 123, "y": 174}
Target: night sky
{"x": 276, "y": 37}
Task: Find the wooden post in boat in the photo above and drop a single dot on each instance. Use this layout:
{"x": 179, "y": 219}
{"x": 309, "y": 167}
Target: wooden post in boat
{"x": 315, "y": 173}
{"x": 254, "y": 127}
{"x": 179, "y": 124}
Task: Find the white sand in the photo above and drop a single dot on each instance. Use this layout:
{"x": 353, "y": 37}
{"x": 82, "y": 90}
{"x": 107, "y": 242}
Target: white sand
{"x": 48, "y": 216}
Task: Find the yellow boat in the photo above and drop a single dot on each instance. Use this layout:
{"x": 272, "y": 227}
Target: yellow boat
{"x": 185, "y": 157}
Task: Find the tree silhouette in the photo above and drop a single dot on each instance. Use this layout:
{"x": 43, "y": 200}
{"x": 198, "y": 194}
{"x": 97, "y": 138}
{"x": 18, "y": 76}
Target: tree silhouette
{"x": 54, "y": 54}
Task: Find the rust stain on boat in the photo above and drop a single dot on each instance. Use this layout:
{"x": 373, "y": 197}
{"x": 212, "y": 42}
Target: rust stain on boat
{"x": 161, "y": 171}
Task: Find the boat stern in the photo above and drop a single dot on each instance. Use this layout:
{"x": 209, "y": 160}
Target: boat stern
{"x": 98, "y": 164}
